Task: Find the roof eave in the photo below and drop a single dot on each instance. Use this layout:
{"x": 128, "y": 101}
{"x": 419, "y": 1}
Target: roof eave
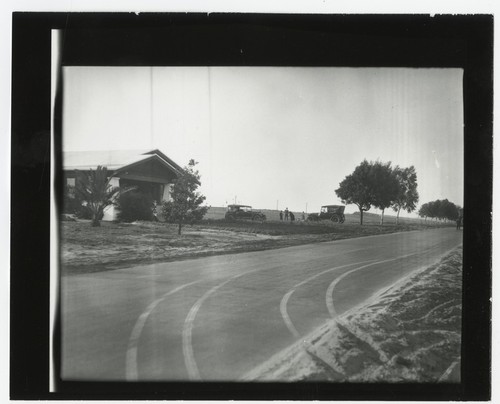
{"x": 153, "y": 157}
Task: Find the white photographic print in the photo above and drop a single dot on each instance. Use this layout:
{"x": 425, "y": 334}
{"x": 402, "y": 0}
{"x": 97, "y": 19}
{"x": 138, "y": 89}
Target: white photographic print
{"x": 229, "y": 223}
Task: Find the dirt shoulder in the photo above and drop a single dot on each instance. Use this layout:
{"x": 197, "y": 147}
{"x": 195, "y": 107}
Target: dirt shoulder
{"x": 115, "y": 245}
{"x": 408, "y": 333}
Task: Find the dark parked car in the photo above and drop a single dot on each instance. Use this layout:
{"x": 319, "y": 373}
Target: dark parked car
{"x": 335, "y": 213}
{"x": 238, "y": 212}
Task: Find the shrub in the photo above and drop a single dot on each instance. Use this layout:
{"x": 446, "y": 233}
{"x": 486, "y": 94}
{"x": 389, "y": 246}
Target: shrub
{"x": 74, "y": 205}
{"x": 83, "y": 212}
{"x": 135, "y": 205}
{"x": 71, "y": 204}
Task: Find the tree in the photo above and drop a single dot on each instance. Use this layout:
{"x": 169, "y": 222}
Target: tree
{"x": 95, "y": 190}
{"x": 370, "y": 184}
{"x": 449, "y": 210}
{"x": 184, "y": 207}
{"x": 384, "y": 186}
{"x": 407, "y": 197}
{"x": 440, "y": 209}
{"x": 435, "y": 209}
{"x": 356, "y": 188}
{"x": 425, "y": 211}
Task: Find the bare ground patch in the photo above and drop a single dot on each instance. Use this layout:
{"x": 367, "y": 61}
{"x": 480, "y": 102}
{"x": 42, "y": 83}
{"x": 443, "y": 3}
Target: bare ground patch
{"x": 114, "y": 245}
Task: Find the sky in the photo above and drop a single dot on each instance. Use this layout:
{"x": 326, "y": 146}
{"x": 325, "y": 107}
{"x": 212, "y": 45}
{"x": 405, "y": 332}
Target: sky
{"x": 275, "y": 137}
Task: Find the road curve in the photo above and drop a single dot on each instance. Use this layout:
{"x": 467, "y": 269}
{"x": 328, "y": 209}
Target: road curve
{"x": 216, "y": 318}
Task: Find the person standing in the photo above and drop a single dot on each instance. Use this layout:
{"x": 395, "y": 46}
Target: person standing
{"x": 292, "y": 217}
{"x": 281, "y": 215}
{"x": 286, "y": 214}
{"x": 303, "y": 216}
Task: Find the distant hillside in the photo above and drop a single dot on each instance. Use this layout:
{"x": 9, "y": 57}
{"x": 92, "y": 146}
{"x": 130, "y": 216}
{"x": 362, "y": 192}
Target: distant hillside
{"x": 368, "y": 214}
{"x": 215, "y": 213}
{"x": 369, "y": 217}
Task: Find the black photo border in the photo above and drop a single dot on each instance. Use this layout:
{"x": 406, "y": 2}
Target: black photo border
{"x": 219, "y": 39}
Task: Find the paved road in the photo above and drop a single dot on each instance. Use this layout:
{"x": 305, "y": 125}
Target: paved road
{"x": 217, "y": 318}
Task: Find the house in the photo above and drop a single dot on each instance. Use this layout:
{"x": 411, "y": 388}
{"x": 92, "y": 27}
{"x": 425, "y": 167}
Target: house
{"x": 148, "y": 171}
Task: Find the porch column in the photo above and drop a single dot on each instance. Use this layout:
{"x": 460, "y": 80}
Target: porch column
{"x": 111, "y": 212}
{"x": 167, "y": 189}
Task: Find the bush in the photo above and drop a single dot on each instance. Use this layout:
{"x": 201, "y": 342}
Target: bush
{"x": 73, "y": 204}
{"x": 84, "y": 212}
{"x": 135, "y": 205}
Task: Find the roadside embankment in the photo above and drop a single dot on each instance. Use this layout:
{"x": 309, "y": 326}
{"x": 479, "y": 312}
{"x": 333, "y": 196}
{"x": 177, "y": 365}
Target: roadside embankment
{"x": 410, "y": 332}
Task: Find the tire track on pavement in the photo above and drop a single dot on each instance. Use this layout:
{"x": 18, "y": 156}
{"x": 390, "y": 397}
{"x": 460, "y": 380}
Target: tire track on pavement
{"x": 131, "y": 373}
{"x": 187, "y": 331}
{"x": 286, "y": 297}
{"x": 329, "y": 292}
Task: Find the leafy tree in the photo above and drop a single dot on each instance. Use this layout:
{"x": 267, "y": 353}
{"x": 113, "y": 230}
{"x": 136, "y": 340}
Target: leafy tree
{"x": 185, "y": 204}
{"x": 448, "y": 210}
{"x": 435, "y": 209}
{"x": 440, "y": 209}
{"x": 94, "y": 189}
{"x": 425, "y": 211}
{"x": 371, "y": 184}
{"x": 407, "y": 197}
{"x": 384, "y": 186}
{"x": 356, "y": 188}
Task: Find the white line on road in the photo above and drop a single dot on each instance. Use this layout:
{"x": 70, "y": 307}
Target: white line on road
{"x": 131, "y": 360}
{"x": 329, "y": 291}
{"x": 284, "y": 300}
{"x": 285, "y": 316}
{"x": 278, "y": 359}
{"x": 187, "y": 331}
{"x": 187, "y": 347}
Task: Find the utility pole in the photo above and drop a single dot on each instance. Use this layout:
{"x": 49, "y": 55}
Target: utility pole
{"x": 277, "y": 203}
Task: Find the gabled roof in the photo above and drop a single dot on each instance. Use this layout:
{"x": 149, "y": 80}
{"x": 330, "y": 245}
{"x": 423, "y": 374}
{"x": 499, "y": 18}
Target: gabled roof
{"x": 114, "y": 160}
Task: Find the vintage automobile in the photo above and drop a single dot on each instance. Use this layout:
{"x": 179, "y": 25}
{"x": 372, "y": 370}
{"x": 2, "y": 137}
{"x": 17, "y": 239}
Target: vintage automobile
{"x": 335, "y": 213}
{"x": 239, "y": 212}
